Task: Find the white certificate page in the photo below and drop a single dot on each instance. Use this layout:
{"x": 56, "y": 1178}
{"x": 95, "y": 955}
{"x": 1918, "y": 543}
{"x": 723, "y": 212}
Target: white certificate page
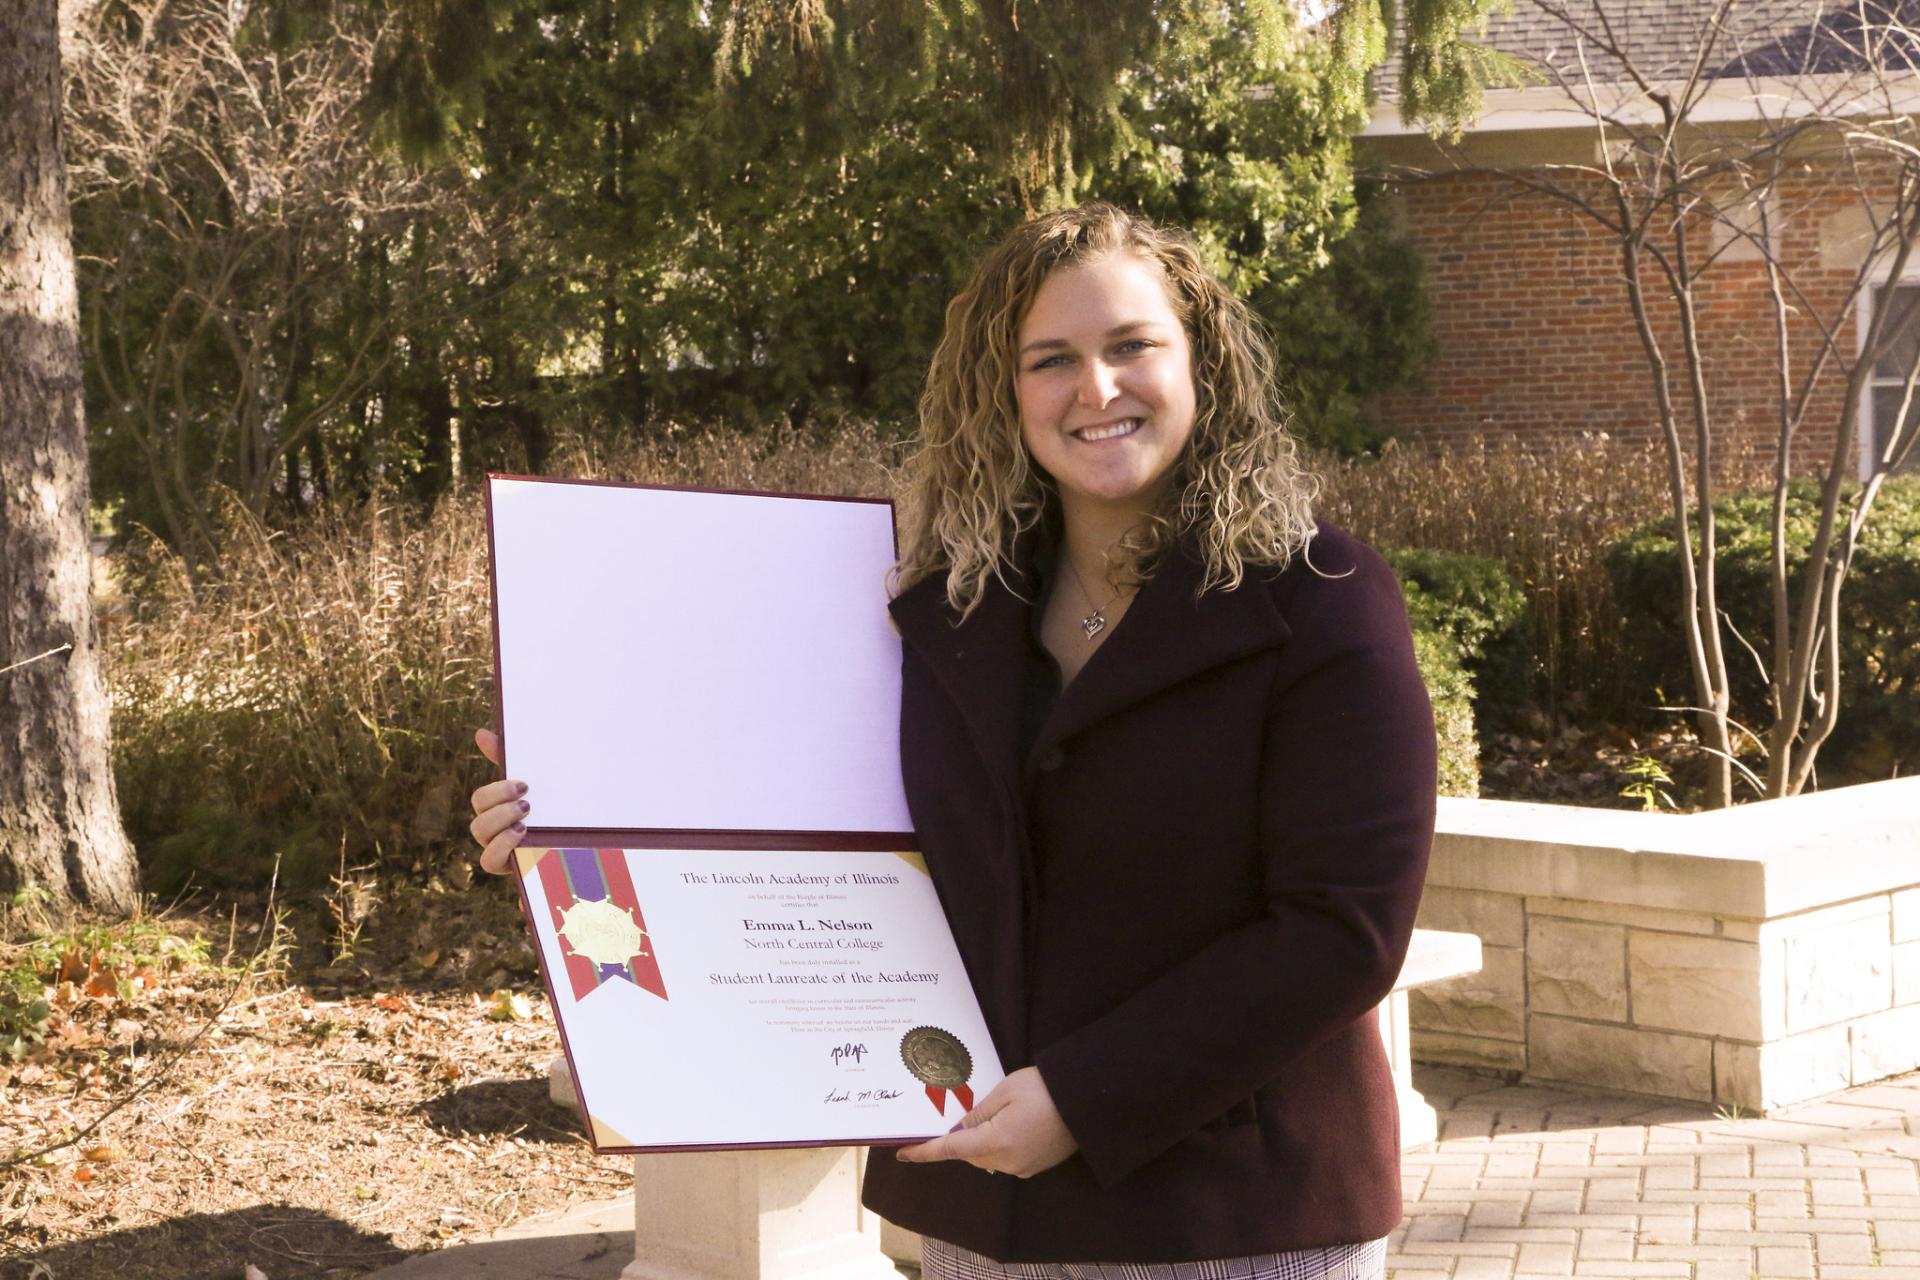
{"x": 674, "y": 659}
{"x": 752, "y": 998}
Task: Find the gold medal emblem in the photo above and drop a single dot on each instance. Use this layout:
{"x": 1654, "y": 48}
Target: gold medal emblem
{"x": 602, "y": 932}
{"x": 936, "y": 1058}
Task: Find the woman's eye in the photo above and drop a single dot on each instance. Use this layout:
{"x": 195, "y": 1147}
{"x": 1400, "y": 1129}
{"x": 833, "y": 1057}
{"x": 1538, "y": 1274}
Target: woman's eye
{"x": 1131, "y": 347}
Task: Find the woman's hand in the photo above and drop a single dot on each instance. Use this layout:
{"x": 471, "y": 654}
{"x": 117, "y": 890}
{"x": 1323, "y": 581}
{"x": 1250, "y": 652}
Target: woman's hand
{"x": 499, "y": 811}
{"x": 1015, "y": 1130}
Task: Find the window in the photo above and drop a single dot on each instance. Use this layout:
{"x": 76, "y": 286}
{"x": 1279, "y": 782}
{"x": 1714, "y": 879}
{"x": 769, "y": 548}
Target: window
{"x": 1887, "y": 387}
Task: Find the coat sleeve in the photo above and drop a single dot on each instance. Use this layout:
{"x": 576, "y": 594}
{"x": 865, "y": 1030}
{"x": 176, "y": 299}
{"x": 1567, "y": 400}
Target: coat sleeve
{"x": 1346, "y": 811}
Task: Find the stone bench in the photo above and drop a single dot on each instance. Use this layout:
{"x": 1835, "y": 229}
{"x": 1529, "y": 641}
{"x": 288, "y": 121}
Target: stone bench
{"x": 796, "y": 1214}
{"x": 1753, "y": 957}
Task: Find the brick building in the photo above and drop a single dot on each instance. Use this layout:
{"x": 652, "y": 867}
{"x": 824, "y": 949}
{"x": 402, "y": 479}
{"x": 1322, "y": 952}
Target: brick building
{"x": 1537, "y": 339}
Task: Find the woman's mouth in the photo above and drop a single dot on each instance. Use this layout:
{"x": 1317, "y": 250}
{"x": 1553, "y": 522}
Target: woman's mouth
{"x": 1107, "y": 431}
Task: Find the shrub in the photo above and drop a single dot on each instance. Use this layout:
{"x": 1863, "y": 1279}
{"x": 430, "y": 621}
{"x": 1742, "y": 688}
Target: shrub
{"x": 1451, "y": 690}
{"x": 1476, "y": 602}
{"x": 1879, "y": 728}
{"x": 1469, "y": 635}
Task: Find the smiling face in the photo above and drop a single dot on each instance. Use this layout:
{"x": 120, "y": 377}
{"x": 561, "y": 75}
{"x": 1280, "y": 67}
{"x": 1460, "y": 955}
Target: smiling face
{"x": 1105, "y": 383}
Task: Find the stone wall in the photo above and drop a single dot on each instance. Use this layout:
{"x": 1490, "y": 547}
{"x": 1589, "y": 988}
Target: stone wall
{"x": 1760, "y": 996}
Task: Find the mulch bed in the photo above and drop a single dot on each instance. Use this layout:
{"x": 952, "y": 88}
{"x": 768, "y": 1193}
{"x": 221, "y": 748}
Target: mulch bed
{"x": 325, "y": 1124}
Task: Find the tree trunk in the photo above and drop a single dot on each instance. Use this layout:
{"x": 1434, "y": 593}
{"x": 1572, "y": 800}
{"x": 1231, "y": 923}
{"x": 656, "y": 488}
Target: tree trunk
{"x": 59, "y": 817}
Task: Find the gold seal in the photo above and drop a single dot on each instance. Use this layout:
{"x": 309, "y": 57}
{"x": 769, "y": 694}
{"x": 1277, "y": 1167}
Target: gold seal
{"x": 936, "y": 1057}
{"x": 602, "y": 932}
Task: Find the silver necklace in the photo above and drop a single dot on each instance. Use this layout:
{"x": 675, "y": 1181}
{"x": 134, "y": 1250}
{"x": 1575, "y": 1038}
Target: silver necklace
{"x": 1096, "y": 622}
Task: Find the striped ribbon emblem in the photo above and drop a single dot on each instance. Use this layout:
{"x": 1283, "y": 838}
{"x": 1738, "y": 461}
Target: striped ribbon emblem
{"x": 572, "y": 876}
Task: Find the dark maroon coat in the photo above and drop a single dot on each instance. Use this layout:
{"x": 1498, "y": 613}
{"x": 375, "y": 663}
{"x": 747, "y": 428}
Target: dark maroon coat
{"x": 1182, "y": 906}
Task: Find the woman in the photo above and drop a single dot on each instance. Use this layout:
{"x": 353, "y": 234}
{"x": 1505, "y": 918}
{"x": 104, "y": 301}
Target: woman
{"x": 1172, "y": 767}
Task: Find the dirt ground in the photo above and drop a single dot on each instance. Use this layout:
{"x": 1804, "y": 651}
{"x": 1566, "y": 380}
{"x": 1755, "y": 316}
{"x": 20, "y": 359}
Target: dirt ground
{"x": 331, "y": 1119}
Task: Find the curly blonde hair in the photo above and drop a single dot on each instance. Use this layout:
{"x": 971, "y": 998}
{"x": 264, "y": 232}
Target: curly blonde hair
{"x": 970, "y": 489}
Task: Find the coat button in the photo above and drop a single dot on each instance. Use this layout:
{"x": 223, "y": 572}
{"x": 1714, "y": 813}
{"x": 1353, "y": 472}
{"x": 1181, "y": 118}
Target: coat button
{"x": 1052, "y": 760}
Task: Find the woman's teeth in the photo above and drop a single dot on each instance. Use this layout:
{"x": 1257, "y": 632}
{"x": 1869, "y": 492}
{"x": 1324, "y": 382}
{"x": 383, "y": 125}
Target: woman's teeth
{"x": 1126, "y": 428}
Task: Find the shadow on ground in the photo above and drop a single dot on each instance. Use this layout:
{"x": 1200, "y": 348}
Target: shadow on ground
{"x": 285, "y": 1242}
{"x": 510, "y": 1108}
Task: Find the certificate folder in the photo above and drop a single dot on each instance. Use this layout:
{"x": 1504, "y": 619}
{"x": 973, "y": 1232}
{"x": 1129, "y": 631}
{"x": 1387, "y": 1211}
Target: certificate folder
{"x": 741, "y": 945}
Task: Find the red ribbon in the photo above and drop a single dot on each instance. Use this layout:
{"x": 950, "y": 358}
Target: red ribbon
{"x": 938, "y": 1096}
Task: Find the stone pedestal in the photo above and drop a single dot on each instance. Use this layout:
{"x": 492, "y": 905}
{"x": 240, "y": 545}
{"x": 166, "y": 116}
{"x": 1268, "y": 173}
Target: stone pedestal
{"x": 754, "y": 1215}
{"x": 899, "y": 1243}
{"x": 1434, "y": 956}
{"x": 751, "y": 1215}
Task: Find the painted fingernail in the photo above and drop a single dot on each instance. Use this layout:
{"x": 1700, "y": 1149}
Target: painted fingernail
{"x": 521, "y": 827}
{"x": 525, "y": 807}
{"x": 519, "y": 788}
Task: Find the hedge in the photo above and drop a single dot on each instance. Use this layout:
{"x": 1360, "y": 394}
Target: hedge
{"x": 1879, "y": 729}
{"x": 1470, "y": 637}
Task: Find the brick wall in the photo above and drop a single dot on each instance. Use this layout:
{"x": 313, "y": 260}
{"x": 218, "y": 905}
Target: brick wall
{"x": 1537, "y": 341}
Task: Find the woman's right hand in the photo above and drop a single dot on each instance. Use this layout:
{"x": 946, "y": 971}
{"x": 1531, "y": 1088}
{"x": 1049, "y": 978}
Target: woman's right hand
{"x": 499, "y": 811}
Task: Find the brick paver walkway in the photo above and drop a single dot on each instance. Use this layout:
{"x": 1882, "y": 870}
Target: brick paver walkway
{"x": 1530, "y": 1181}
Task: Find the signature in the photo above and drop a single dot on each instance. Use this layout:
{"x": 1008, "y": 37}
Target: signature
{"x": 864, "y": 1095}
{"x": 845, "y": 1051}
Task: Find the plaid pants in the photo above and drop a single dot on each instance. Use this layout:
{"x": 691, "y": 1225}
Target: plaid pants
{"x": 1368, "y": 1261}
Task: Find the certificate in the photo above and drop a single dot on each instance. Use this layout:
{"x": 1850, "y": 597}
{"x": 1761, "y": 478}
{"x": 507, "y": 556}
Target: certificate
{"x": 714, "y": 668}
{"x": 713, "y": 998}
{"x": 702, "y": 691}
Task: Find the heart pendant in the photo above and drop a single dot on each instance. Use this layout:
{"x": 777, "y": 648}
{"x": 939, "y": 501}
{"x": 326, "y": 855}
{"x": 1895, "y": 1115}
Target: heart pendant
{"x": 1093, "y": 624}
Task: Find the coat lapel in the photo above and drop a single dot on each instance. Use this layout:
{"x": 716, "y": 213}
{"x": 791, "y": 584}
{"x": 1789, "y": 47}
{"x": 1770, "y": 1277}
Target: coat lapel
{"x": 1167, "y": 636}
{"x": 977, "y": 661}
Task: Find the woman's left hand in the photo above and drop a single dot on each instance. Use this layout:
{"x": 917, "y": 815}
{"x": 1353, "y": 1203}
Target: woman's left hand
{"x": 1014, "y": 1129}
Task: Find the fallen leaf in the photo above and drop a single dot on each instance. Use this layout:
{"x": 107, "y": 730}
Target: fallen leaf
{"x": 69, "y": 1035}
{"x": 449, "y": 1071}
{"x": 510, "y": 1006}
{"x": 105, "y": 1153}
{"x": 393, "y": 1004}
{"x": 66, "y": 995}
{"x": 73, "y": 967}
{"x": 103, "y": 982}
{"x": 83, "y": 1174}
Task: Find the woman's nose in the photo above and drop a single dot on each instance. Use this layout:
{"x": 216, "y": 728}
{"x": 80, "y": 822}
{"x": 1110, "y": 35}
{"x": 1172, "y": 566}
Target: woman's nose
{"x": 1097, "y": 388}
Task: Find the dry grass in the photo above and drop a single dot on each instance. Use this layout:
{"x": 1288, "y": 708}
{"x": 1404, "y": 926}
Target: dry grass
{"x": 312, "y": 692}
{"x": 1549, "y": 516}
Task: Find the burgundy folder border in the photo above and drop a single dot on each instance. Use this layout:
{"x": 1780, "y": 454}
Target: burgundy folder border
{"x": 668, "y": 838}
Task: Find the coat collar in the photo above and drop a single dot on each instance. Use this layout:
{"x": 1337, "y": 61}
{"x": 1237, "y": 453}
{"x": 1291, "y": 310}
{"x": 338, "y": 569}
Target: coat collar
{"x": 1168, "y": 635}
